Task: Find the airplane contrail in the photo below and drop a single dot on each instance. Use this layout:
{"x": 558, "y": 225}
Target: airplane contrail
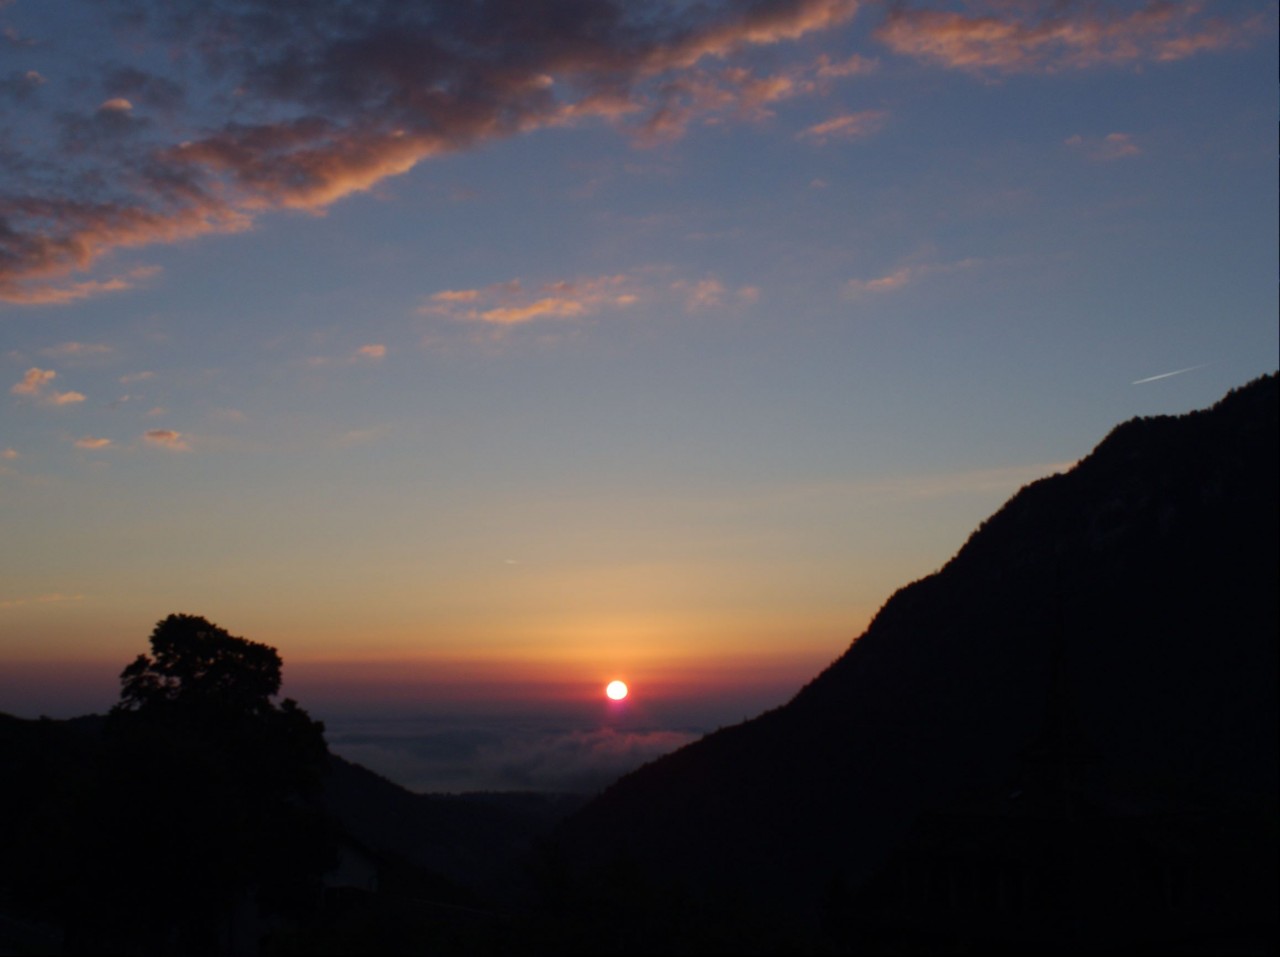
{"x": 1165, "y": 375}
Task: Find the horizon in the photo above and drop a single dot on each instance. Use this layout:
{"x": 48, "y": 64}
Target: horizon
{"x": 661, "y": 348}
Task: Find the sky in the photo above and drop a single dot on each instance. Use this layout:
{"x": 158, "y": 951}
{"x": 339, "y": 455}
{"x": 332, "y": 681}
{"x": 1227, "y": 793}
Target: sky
{"x": 476, "y": 354}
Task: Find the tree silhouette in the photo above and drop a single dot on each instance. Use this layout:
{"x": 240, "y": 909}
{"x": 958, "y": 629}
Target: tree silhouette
{"x": 204, "y": 819}
{"x": 196, "y": 664}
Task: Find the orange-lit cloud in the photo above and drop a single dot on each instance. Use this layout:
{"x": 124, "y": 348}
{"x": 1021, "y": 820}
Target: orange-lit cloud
{"x": 510, "y": 304}
{"x": 902, "y": 276}
{"x": 330, "y": 105}
{"x": 1113, "y": 146}
{"x": 372, "y": 351}
{"x": 167, "y": 438}
{"x": 10, "y": 454}
{"x": 849, "y": 126}
{"x": 1022, "y": 36}
{"x": 33, "y": 381}
{"x": 90, "y": 442}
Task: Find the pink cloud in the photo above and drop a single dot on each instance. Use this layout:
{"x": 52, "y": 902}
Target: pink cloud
{"x": 509, "y": 304}
{"x": 90, "y": 442}
{"x": 850, "y": 126}
{"x": 339, "y": 105}
{"x": 33, "y": 381}
{"x": 167, "y": 438}
{"x": 1049, "y": 37}
{"x": 372, "y": 351}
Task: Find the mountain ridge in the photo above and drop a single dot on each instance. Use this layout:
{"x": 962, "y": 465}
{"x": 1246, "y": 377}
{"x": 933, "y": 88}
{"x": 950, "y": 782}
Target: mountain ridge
{"x": 1152, "y": 563}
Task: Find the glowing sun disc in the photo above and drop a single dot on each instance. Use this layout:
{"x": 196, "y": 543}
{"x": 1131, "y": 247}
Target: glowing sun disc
{"x": 617, "y": 690}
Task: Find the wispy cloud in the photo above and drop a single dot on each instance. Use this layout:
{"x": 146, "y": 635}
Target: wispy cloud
{"x": 1022, "y": 37}
{"x": 49, "y": 599}
{"x": 902, "y": 276}
{"x": 711, "y": 293}
{"x": 353, "y": 437}
{"x": 371, "y": 352}
{"x": 511, "y": 304}
{"x": 332, "y": 100}
{"x": 854, "y": 65}
{"x": 90, "y": 442}
{"x": 848, "y": 126}
{"x": 167, "y": 438}
{"x": 57, "y": 295}
{"x": 1113, "y": 146}
{"x": 73, "y": 350}
{"x": 10, "y": 455}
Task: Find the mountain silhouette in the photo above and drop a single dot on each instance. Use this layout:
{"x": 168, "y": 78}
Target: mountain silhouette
{"x": 1128, "y": 605}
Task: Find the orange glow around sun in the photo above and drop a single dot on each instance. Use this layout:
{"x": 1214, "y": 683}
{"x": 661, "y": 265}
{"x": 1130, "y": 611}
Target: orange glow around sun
{"x": 617, "y": 690}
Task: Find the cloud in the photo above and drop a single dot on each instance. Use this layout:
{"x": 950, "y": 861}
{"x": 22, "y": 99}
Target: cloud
{"x": 132, "y": 377}
{"x": 886, "y": 283}
{"x": 510, "y": 304}
{"x": 705, "y": 294}
{"x": 57, "y": 295}
{"x": 20, "y": 84}
{"x": 67, "y": 350}
{"x": 33, "y": 381}
{"x": 1023, "y": 37}
{"x": 1113, "y": 146}
{"x": 900, "y": 277}
{"x": 90, "y": 442}
{"x": 39, "y": 600}
{"x": 372, "y": 352}
{"x": 849, "y": 126}
{"x": 10, "y": 455}
{"x": 333, "y": 99}
{"x": 167, "y": 438}
{"x": 361, "y": 436}
{"x": 855, "y": 65}
{"x": 452, "y": 755}
{"x": 711, "y": 293}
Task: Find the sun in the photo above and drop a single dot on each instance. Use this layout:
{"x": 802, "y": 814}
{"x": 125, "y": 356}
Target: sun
{"x": 617, "y": 690}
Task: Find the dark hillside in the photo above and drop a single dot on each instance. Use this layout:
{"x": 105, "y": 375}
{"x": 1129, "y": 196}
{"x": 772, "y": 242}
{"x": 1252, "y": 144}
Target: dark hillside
{"x": 1141, "y": 584}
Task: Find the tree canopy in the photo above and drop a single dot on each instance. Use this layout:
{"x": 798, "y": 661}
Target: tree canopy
{"x": 194, "y": 662}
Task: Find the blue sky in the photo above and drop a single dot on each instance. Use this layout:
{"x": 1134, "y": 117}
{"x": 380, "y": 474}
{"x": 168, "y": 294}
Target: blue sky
{"x": 478, "y": 354}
